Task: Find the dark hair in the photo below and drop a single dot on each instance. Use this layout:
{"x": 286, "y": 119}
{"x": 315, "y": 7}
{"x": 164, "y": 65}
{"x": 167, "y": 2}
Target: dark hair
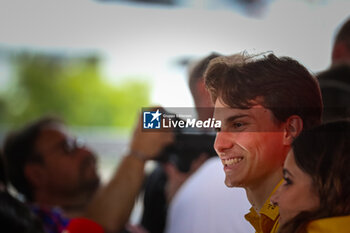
{"x": 19, "y": 150}
{"x": 16, "y": 217}
{"x": 343, "y": 34}
{"x": 284, "y": 86}
{"x": 324, "y": 154}
{"x": 335, "y": 88}
{"x": 3, "y": 171}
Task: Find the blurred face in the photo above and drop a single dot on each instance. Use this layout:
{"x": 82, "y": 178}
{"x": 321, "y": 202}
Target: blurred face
{"x": 69, "y": 167}
{"x": 249, "y": 144}
{"x": 297, "y": 192}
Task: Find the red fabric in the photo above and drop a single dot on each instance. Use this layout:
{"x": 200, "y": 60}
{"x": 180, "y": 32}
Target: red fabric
{"x": 83, "y": 225}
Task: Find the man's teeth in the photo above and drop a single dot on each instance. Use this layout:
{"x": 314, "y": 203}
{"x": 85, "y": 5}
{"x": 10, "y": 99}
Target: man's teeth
{"x": 232, "y": 161}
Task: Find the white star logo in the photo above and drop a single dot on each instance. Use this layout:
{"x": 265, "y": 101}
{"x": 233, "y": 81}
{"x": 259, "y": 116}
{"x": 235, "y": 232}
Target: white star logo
{"x": 155, "y": 115}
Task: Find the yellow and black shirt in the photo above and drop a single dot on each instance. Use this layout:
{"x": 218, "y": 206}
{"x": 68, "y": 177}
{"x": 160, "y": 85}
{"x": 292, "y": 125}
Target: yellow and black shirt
{"x": 267, "y": 221}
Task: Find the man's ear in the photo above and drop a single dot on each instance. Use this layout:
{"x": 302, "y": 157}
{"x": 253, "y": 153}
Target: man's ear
{"x": 293, "y": 127}
{"x": 340, "y": 52}
{"x": 200, "y": 85}
{"x": 203, "y": 95}
{"x": 35, "y": 174}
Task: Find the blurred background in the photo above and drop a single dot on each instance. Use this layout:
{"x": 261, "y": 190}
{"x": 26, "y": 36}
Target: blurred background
{"x": 95, "y": 63}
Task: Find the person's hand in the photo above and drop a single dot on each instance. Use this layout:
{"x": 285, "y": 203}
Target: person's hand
{"x": 149, "y": 144}
{"x": 175, "y": 179}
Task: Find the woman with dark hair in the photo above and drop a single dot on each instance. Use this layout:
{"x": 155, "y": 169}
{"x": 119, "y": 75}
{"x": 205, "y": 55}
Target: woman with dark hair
{"x": 315, "y": 195}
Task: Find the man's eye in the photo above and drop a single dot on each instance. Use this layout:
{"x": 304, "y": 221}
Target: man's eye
{"x": 68, "y": 146}
{"x": 237, "y": 125}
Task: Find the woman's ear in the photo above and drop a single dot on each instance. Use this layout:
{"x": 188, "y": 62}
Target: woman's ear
{"x": 293, "y": 127}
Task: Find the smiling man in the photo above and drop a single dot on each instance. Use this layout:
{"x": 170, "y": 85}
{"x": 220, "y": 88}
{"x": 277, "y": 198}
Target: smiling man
{"x": 263, "y": 104}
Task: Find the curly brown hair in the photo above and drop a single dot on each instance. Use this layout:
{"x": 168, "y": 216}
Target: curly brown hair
{"x": 284, "y": 85}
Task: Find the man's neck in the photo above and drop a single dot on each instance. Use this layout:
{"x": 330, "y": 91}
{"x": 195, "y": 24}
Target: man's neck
{"x": 258, "y": 194}
{"x": 72, "y": 206}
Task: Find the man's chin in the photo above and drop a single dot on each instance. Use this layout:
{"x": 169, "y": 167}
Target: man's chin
{"x": 231, "y": 184}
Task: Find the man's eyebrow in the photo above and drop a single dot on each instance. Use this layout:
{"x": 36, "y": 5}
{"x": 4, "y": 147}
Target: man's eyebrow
{"x": 286, "y": 172}
{"x": 235, "y": 117}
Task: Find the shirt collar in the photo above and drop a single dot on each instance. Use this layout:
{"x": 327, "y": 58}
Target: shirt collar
{"x": 268, "y": 216}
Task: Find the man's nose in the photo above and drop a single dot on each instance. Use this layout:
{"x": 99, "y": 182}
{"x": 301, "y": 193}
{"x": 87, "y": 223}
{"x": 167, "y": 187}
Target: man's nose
{"x": 85, "y": 151}
{"x": 223, "y": 141}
